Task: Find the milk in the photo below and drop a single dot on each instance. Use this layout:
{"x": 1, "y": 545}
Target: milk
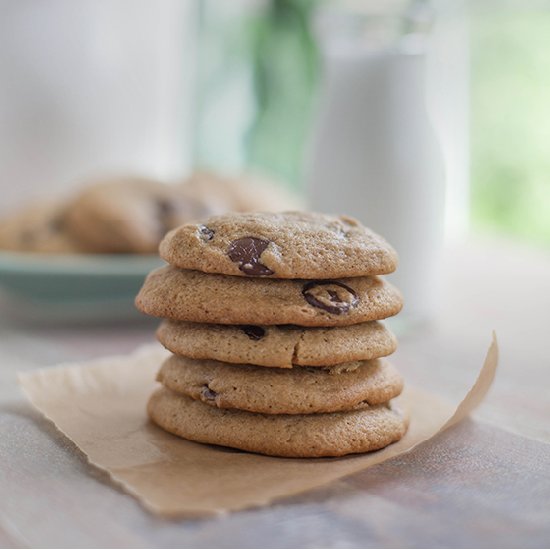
{"x": 374, "y": 156}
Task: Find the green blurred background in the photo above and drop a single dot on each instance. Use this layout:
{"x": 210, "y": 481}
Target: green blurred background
{"x": 510, "y": 120}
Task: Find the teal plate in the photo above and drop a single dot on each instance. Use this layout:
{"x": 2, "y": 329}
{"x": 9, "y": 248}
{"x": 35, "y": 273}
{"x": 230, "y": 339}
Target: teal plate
{"x": 72, "y": 287}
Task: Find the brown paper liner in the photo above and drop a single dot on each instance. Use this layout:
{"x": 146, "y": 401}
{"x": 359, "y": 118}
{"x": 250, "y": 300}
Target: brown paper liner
{"x": 100, "y": 406}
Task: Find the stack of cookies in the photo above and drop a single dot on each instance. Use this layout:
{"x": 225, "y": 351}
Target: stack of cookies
{"x": 273, "y": 323}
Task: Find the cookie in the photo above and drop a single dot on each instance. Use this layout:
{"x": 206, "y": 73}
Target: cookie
{"x": 38, "y": 228}
{"x": 289, "y": 245}
{"x": 308, "y": 435}
{"x": 223, "y": 299}
{"x": 240, "y": 194}
{"x": 301, "y": 390}
{"x": 130, "y": 215}
{"x": 277, "y": 346}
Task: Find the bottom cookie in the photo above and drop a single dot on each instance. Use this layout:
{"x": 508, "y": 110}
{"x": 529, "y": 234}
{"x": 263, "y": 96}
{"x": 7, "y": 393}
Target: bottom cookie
{"x": 305, "y": 436}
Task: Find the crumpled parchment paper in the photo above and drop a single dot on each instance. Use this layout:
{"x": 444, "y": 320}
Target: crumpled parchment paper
{"x": 100, "y": 406}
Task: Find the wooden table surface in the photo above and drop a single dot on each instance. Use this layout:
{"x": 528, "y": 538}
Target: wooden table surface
{"x": 484, "y": 483}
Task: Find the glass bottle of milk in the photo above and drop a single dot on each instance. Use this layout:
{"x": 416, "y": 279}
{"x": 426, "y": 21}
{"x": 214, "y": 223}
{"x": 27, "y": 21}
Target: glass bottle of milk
{"x": 375, "y": 156}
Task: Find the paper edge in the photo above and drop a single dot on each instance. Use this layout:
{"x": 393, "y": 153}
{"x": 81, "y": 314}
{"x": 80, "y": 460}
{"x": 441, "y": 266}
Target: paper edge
{"x": 476, "y": 394}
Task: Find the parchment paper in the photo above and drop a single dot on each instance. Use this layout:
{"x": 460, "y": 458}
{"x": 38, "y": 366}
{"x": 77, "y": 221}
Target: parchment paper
{"x": 100, "y": 406}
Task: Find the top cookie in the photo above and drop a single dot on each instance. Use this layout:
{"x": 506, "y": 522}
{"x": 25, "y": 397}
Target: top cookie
{"x": 287, "y": 245}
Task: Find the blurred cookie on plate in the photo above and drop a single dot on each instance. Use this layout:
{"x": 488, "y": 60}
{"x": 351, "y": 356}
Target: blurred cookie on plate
{"x": 130, "y": 215}
{"x": 243, "y": 193}
{"x": 38, "y": 228}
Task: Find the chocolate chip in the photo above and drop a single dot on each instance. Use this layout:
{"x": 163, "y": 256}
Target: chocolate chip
{"x": 246, "y": 252}
{"x": 331, "y": 296}
{"x": 206, "y": 234}
{"x": 208, "y": 394}
{"x": 56, "y": 224}
{"x": 165, "y": 207}
{"x": 253, "y": 332}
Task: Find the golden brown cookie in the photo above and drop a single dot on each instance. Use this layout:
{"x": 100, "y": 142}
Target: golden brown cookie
{"x": 310, "y": 435}
{"x": 239, "y": 194}
{"x": 301, "y": 390}
{"x": 289, "y": 245}
{"x": 130, "y": 215}
{"x": 205, "y": 298}
{"x": 38, "y": 228}
{"x": 277, "y": 346}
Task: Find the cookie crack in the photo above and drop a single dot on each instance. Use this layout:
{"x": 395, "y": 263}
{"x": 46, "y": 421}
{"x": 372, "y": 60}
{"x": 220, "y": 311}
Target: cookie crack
{"x": 296, "y": 348}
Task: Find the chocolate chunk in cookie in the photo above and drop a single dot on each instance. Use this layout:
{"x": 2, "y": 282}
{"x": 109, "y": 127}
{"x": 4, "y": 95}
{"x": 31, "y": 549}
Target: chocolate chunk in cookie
{"x": 205, "y": 233}
{"x": 246, "y": 252}
{"x": 332, "y": 296}
{"x": 188, "y": 295}
{"x": 253, "y": 332}
{"x": 207, "y": 394}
